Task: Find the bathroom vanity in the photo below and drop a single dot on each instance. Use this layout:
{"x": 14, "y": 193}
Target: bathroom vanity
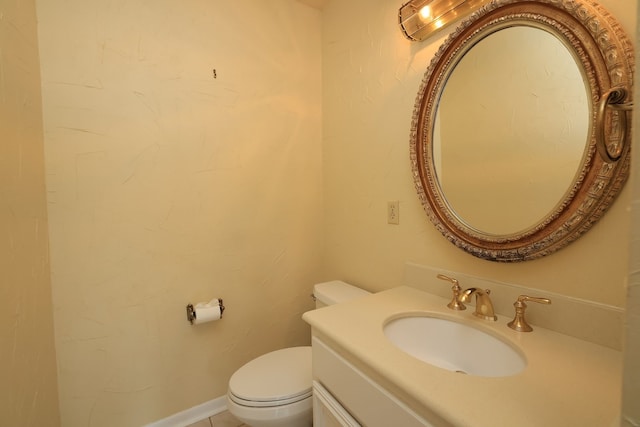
{"x": 362, "y": 378}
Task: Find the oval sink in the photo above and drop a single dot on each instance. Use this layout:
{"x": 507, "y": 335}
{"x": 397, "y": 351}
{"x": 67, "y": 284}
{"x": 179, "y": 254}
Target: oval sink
{"x": 454, "y": 346}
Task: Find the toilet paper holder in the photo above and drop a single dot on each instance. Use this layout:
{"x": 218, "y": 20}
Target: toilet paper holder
{"x": 191, "y": 312}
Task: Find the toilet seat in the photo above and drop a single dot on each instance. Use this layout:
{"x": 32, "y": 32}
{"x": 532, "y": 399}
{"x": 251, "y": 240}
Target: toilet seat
{"x": 270, "y": 403}
{"x": 279, "y": 378}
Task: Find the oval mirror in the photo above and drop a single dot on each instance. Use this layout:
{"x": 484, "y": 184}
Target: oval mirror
{"x": 503, "y": 141}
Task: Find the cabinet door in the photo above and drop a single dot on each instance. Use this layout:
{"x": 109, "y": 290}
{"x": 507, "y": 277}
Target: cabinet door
{"x": 327, "y": 411}
{"x": 366, "y": 400}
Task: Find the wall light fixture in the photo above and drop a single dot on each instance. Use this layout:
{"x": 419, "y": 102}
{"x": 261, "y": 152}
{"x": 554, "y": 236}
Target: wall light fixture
{"x": 419, "y": 19}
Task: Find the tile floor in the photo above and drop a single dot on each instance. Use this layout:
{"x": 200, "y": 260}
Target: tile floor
{"x": 223, "y": 419}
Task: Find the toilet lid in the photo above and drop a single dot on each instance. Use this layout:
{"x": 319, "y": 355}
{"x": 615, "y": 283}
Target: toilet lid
{"x": 276, "y": 378}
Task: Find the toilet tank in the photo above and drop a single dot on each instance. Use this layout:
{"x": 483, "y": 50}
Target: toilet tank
{"x": 334, "y": 292}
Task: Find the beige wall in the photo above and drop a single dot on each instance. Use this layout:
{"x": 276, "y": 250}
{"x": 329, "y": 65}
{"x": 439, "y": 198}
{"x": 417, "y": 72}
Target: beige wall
{"x": 631, "y": 391}
{"x": 168, "y": 185}
{"x": 28, "y": 388}
{"x": 371, "y": 76}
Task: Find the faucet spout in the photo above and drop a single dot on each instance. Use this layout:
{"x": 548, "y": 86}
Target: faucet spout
{"x": 484, "y": 306}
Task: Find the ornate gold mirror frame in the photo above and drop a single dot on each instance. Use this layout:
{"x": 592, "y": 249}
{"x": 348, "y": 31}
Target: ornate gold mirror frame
{"x": 603, "y": 51}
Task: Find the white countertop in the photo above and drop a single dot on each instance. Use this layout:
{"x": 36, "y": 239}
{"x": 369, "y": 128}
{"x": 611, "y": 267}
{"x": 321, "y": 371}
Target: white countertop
{"x": 567, "y": 381}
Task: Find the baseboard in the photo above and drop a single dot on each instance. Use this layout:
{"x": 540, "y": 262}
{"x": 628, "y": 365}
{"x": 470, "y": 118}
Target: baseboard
{"x": 193, "y": 415}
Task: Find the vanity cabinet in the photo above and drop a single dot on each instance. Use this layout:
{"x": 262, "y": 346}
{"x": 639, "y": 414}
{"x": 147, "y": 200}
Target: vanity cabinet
{"x": 346, "y": 397}
{"x": 363, "y": 379}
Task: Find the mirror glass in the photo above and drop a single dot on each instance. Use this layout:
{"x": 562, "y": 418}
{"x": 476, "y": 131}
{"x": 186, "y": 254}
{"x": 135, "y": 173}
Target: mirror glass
{"x": 514, "y": 102}
{"x": 504, "y": 129}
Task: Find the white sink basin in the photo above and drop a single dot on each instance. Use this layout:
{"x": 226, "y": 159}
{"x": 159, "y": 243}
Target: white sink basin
{"x": 455, "y": 346}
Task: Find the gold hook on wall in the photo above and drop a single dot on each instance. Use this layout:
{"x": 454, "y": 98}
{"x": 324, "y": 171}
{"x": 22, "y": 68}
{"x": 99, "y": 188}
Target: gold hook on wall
{"x": 613, "y": 98}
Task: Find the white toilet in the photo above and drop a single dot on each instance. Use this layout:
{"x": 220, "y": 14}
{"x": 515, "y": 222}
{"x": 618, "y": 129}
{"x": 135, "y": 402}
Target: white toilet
{"x": 274, "y": 390}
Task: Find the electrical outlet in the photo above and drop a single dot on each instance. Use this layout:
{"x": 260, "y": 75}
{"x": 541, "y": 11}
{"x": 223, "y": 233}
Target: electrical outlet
{"x": 393, "y": 212}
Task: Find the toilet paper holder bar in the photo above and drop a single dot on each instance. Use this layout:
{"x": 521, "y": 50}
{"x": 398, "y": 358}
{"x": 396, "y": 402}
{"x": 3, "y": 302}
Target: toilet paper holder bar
{"x": 191, "y": 312}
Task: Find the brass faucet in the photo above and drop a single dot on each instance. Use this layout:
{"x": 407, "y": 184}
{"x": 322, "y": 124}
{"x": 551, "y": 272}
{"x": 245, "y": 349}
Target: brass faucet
{"x": 484, "y": 306}
{"x": 519, "y": 323}
{"x": 455, "y": 303}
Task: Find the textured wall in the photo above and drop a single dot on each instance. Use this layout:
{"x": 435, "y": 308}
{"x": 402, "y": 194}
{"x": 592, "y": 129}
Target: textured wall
{"x": 371, "y": 76}
{"x": 169, "y": 184}
{"x": 28, "y": 388}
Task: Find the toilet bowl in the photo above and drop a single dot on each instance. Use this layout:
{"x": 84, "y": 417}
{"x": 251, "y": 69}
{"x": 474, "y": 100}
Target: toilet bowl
{"x": 274, "y": 390}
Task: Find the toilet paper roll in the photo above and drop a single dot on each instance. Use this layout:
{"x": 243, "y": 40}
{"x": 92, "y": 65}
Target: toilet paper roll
{"x": 206, "y": 313}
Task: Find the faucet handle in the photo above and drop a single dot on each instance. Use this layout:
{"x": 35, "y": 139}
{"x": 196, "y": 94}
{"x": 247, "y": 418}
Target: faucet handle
{"x": 455, "y": 303}
{"x": 519, "y": 323}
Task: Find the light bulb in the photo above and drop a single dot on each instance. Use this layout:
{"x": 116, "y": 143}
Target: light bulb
{"x": 425, "y": 12}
